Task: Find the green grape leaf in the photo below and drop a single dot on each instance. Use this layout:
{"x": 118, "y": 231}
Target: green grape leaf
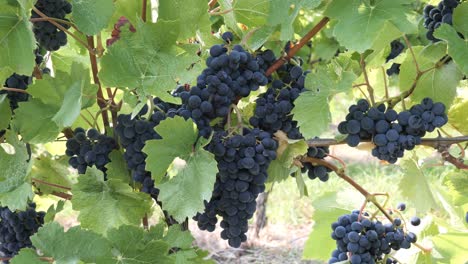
{"x": 117, "y": 167}
{"x": 46, "y": 169}
{"x": 281, "y": 12}
{"x": 192, "y": 185}
{"x": 14, "y": 165}
{"x": 452, "y": 247}
{"x": 312, "y": 113}
{"x": 132, "y": 245}
{"x": 360, "y": 24}
{"x": 53, "y": 211}
{"x": 230, "y": 18}
{"x": 72, "y": 246}
{"x": 457, "y": 116}
{"x": 457, "y": 183}
{"x": 16, "y": 38}
{"x": 459, "y": 18}
{"x": 280, "y": 168}
{"x": 153, "y": 62}
{"x": 178, "y": 238}
{"x": 191, "y": 16}
{"x": 41, "y": 128}
{"x": 5, "y": 112}
{"x": 251, "y": 12}
{"x": 440, "y": 84}
{"x": 178, "y": 137}
{"x": 131, "y": 10}
{"x": 27, "y": 255}
{"x": 112, "y": 200}
{"x": 457, "y": 47}
{"x": 415, "y": 187}
{"x": 319, "y": 244}
{"x": 91, "y": 16}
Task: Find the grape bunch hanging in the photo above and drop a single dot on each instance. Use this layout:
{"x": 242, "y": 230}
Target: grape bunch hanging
{"x": 391, "y": 132}
{"x": 434, "y": 16}
{"x": 47, "y": 34}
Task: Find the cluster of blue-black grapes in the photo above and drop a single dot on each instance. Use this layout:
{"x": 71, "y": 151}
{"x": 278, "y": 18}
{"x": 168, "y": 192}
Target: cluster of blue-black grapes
{"x": 87, "y": 149}
{"x": 397, "y": 48}
{"x": 231, "y": 73}
{"x": 273, "y": 113}
{"x": 391, "y": 132}
{"x": 21, "y": 82}
{"x": 243, "y": 161}
{"x": 434, "y": 16}
{"x": 133, "y": 134}
{"x": 48, "y": 35}
{"x": 364, "y": 241}
{"x": 16, "y": 228}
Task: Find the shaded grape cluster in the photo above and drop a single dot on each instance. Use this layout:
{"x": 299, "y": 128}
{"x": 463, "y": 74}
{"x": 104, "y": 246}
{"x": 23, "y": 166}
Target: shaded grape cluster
{"x": 48, "y": 35}
{"x": 89, "y": 148}
{"x": 16, "y": 228}
{"x": 396, "y": 48}
{"x": 117, "y": 30}
{"x": 243, "y": 161}
{"x": 133, "y": 134}
{"x": 19, "y": 82}
{"x": 361, "y": 240}
{"x": 391, "y": 132}
{"x": 434, "y": 16}
{"x": 316, "y": 171}
{"x": 231, "y": 73}
{"x": 273, "y": 113}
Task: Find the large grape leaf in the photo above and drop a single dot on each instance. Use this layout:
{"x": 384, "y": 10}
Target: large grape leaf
{"x": 72, "y": 246}
{"x": 191, "y": 16}
{"x": 178, "y": 138}
{"x": 457, "y": 47}
{"x": 27, "y": 255}
{"x": 457, "y": 183}
{"x": 16, "y": 39}
{"x": 458, "y": 115}
{"x": 133, "y": 245}
{"x": 284, "y": 13}
{"x": 112, "y": 200}
{"x": 440, "y": 84}
{"x": 415, "y": 187}
{"x": 40, "y": 128}
{"x": 320, "y": 244}
{"x": 153, "y": 62}
{"x": 117, "y": 167}
{"x": 91, "y": 16}
{"x": 14, "y": 166}
{"x": 5, "y": 112}
{"x": 312, "y": 110}
{"x": 451, "y": 247}
{"x": 194, "y": 182}
{"x": 47, "y": 169}
{"x": 360, "y": 23}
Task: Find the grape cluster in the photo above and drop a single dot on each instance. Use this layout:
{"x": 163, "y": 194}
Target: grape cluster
{"x": 243, "y": 161}
{"x": 133, "y": 134}
{"x": 19, "y": 82}
{"x": 391, "y": 132}
{"x": 397, "y": 48}
{"x": 86, "y": 149}
{"x": 273, "y": 113}
{"x": 231, "y": 73}
{"x": 361, "y": 240}
{"x": 16, "y": 228}
{"x": 117, "y": 30}
{"x": 315, "y": 171}
{"x": 434, "y": 16}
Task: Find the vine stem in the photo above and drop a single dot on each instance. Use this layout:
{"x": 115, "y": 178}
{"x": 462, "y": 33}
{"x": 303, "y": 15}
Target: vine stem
{"x": 100, "y": 95}
{"x": 370, "y": 89}
{"x": 48, "y": 259}
{"x": 212, "y": 3}
{"x": 51, "y": 184}
{"x": 316, "y": 29}
{"x": 61, "y": 21}
{"x": 17, "y": 90}
{"x": 143, "y": 11}
{"x": 90, "y": 49}
{"x": 62, "y": 195}
{"x": 408, "y": 43}
{"x": 385, "y": 82}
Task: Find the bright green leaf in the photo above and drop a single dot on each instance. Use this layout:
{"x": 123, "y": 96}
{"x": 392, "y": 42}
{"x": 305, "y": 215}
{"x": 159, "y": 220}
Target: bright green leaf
{"x": 27, "y": 255}
{"x": 452, "y": 247}
{"x": 72, "y": 246}
{"x": 17, "y": 198}
{"x": 117, "y": 167}
{"x": 53, "y": 211}
{"x": 178, "y": 137}
{"x": 457, "y": 183}
{"x": 91, "y": 16}
{"x": 47, "y": 169}
{"x": 112, "y": 200}
{"x": 312, "y": 113}
{"x": 5, "y": 112}
{"x": 457, "y": 47}
{"x": 360, "y": 24}
{"x": 459, "y": 18}
{"x": 458, "y": 116}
